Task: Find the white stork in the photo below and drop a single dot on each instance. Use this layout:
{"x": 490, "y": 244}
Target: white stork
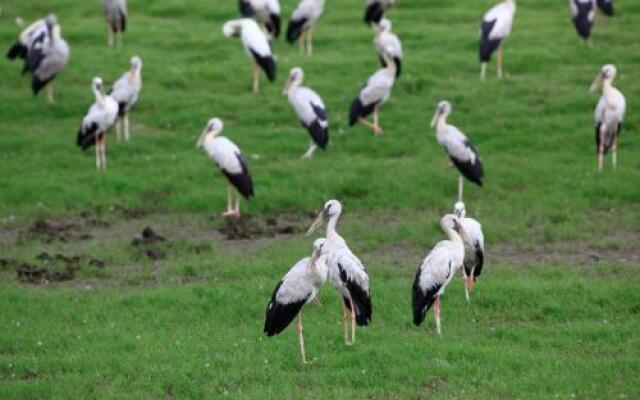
{"x": 437, "y": 271}
{"x": 229, "y": 159}
{"x": 376, "y": 10}
{"x": 47, "y": 53}
{"x": 301, "y": 24}
{"x": 473, "y": 248}
{"x": 257, "y": 46}
{"x": 373, "y": 94}
{"x": 606, "y": 6}
{"x": 93, "y": 130}
{"x": 496, "y": 26}
{"x": 387, "y": 41}
{"x": 310, "y": 109}
{"x": 298, "y": 287}
{"x": 609, "y": 114}
{"x": 266, "y": 12}
{"x": 346, "y": 273}
{"x": 126, "y": 91}
{"x": 583, "y": 14}
{"x": 460, "y": 150}
{"x": 116, "y": 13}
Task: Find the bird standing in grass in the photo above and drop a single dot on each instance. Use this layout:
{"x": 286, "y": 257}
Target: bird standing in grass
{"x": 302, "y": 22}
{"x": 375, "y": 10}
{"x": 299, "y": 286}
{"x": 609, "y": 114}
{"x": 346, "y": 273}
{"x": 102, "y": 115}
{"x": 583, "y": 14}
{"x": 310, "y": 109}
{"x": 116, "y": 13}
{"x": 45, "y": 52}
{"x": 387, "y": 42}
{"x": 265, "y": 12}
{"x": 229, "y": 159}
{"x": 495, "y": 28}
{"x": 256, "y": 44}
{"x": 461, "y": 152}
{"x": 373, "y": 94}
{"x": 473, "y": 248}
{"x": 126, "y": 91}
{"x": 437, "y": 270}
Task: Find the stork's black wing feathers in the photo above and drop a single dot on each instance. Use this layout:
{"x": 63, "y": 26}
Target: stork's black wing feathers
{"x": 472, "y": 171}
{"x": 359, "y": 110}
{"x": 267, "y": 63}
{"x": 606, "y": 6}
{"x": 581, "y": 20}
{"x": 319, "y": 134}
{"x": 274, "y": 24}
{"x": 422, "y": 301}
{"x": 487, "y": 45}
{"x": 361, "y": 299}
{"x": 87, "y": 136}
{"x": 241, "y": 181}
{"x": 17, "y": 51}
{"x": 373, "y": 13}
{"x": 294, "y": 29}
{"x": 278, "y": 315}
{"x": 35, "y": 55}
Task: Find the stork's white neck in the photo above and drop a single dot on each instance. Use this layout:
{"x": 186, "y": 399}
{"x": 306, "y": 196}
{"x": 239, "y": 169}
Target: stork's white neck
{"x": 454, "y": 236}
{"x": 441, "y": 123}
{"x": 607, "y": 87}
{"x": 100, "y": 97}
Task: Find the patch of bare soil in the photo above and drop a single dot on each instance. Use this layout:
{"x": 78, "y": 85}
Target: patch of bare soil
{"x": 249, "y": 227}
{"x": 151, "y": 244}
{"x": 51, "y": 268}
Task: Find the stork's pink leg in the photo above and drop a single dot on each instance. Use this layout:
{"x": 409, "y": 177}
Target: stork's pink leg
{"x": 301, "y": 338}
{"x": 345, "y": 322}
{"x": 353, "y": 322}
{"x": 436, "y": 309}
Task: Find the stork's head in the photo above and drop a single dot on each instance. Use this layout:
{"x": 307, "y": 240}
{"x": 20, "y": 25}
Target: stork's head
{"x": 459, "y": 210}
{"x": 50, "y": 20}
{"x": 232, "y": 28}
{"x": 607, "y": 74}
{"x": 451, "y": 223}
{"x": 442, "y": 111}
{"x": 136, "y": 63}
{"x": 384, "y": 25}
{"x": 332, "y": 209}
{"x": 320, "y": 248}
{"x": 296, "y": 76}
{"x": 213, "y": 128}
{"x": 97, "y": 85}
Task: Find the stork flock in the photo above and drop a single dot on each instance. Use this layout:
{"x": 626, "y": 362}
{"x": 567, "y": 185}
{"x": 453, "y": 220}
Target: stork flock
{"x": 46, "y": 53}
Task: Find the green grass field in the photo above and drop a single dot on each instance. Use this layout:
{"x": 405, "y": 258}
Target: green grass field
{"x": 556, "y": 313}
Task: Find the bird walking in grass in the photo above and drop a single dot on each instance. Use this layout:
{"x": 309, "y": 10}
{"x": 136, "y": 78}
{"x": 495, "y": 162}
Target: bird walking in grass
{"x": 256, "y": 44}
{"x": 310, "y": 110}
{"x": 373, "y": 94}
{"x": 45, "y": 53}
{"x": 387, "y": 42}
{"x": 609, "y": 114}
{"x": 606, "y": 6}
{"x": 460, "y": 150}
{"x": 102, "y": 115}
{"x": 125, "y": 92}
{"x": 437, "y": 270}
{"x": 229, "y": 159}
{"x": 265, "y": 12}
{"x": 583, "y": 15}
{"x": 473, "y": 248}
{"x": 298, "y": 287}
{"x": 346, "y": 273}
{"x": 496, "y": 27}
{"x": 116, "y": 13}
{"x": 302, "y": 22}
{"x": 376, "y": 10}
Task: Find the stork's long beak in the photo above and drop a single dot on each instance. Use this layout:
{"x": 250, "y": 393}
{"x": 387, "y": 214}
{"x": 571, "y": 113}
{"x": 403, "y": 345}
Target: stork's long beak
{"x": 201, "y": 138}
{"x": 286, "y": 87}
{"x": 317, "y": 223}
{"x": 434, "y": 120}
{"x": 314, "y": 259}
{"x": 597, "y": 83}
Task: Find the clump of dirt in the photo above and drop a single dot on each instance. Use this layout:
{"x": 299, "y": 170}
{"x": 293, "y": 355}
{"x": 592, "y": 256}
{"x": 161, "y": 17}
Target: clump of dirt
{"x": 7, "y": 262}
{"x": 248, "y": 227}
{"x": 151, "y": 241}
{"x": 63, "y": 231}
{"x": 54, "y": 268}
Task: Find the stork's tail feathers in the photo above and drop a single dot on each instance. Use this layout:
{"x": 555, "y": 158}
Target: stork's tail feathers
{"x": 17, "y": 50}
{"x": 422, "y": 301}
{"x": 87, "y": 136}
{"x": 278, "y": 315}
{"x": 267, "y": 63}
{"x": 606, "y": 7}
{"x": 294, "y": 29}
{"x": 398, "y": 62}
{"x": 487, "y": 45}
{"x": 319, "y": 134}
{"x": 274, "y": 24}
{"x": 359, "y": 110}
{"x": 373, "y": 13}
{"x": 37, "y": 84}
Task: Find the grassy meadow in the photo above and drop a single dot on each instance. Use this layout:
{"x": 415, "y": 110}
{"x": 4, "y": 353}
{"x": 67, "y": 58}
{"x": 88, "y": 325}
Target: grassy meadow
{"x": 556, "y": 313}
